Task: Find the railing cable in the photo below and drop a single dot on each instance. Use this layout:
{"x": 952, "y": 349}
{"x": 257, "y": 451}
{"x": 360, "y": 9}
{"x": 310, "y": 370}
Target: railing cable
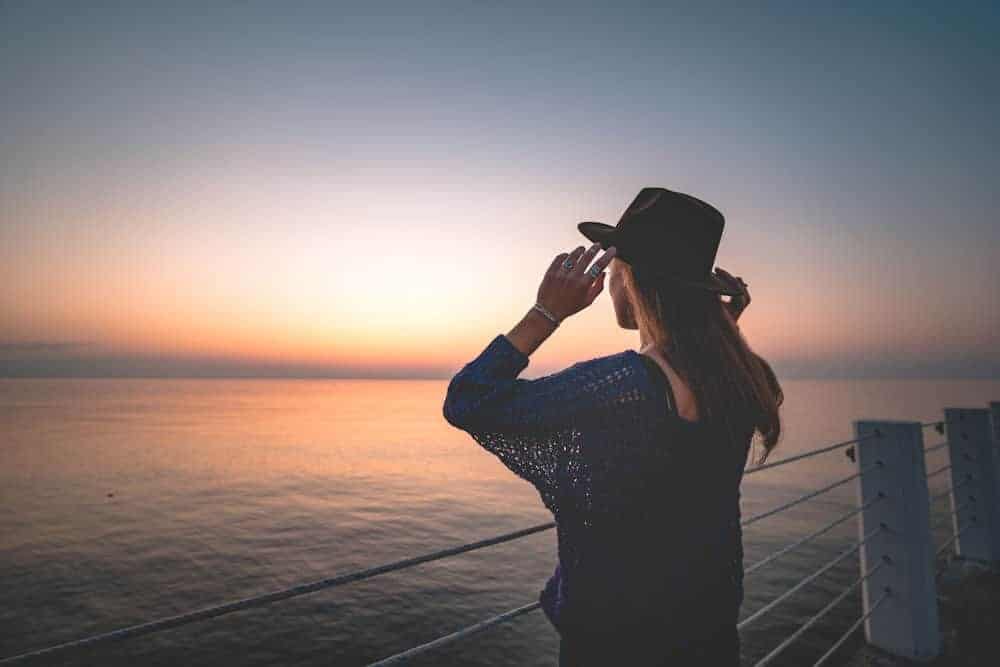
{"x": 938, "y": 424}
{"x": 403, "y": 656}
{"x": 811, "y": 536}
{"x": 812, "y": 577}
{"x": 938, "y": 471}
{"x": 829, "y": 448}
{"x": 952, "y": 514}
{"x": 406, "y": 655}
{"x": 944, "y": 494}
{"x": 850, "y": 630}
{"x": 267, "y": 598}
{"x": 816, "y": 617}
{"x": 934, "y": 448}
{"x": 813, "y": 452}
{"x": 951, "y": 540}
{"x": 808, "y": 496}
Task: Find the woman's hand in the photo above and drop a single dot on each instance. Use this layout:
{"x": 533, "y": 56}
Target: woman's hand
{"x": 736, "y": 304}
{"x": 565, "y": 292}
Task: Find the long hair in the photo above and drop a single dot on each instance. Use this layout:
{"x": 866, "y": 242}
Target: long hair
{"x": 730, "y": 382}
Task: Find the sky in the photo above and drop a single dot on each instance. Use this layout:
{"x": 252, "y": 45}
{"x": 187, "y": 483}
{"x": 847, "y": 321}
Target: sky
{"x": 376, "y": 189}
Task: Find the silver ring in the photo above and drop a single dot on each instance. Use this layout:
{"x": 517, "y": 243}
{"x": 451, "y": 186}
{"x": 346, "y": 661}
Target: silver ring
{"x": 593, "y": 271}
{"x": 567, "y": 264}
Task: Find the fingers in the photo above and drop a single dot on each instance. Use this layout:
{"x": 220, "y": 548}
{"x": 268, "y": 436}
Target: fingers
{"x": 605, "y": 259}
{"x": 595, "y": 288}
{"x": 578, "y": 256}
{"x": 727, "y": 277}
{"x": 557, "y": 262}
{"x": 581, "y": 258}
{"x": 584, "y": 259}
{"x": 738, "y": 303}
{"x": 567, "y": 291}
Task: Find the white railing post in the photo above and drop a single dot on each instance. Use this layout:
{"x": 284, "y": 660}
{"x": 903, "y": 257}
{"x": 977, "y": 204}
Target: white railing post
{"x": 895, "y": 475}
{"x": 973, "y": 483}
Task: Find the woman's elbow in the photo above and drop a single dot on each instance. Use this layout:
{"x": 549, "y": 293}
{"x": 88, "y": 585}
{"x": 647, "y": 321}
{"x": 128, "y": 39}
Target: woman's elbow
{"x": 451, "y": 415}
{"x": 456, "y": 409}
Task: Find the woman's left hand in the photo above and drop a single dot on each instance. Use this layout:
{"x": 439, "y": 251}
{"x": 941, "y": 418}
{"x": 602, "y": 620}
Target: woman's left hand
{"x": 736, "y": 304}
{"x": 565, "y": 292}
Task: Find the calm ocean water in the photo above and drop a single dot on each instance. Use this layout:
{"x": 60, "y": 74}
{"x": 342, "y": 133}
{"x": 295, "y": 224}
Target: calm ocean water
{"x": 122, "y": 501}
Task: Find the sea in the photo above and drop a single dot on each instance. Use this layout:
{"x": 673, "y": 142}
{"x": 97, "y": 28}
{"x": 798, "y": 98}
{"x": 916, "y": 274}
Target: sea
{"x": 127, "y": 500}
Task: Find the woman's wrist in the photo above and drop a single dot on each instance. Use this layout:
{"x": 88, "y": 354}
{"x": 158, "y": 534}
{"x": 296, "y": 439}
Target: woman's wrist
{"x": 531, "y": 331}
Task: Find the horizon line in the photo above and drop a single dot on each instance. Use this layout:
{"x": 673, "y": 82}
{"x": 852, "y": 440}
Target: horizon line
{"x": 301, "y": 376}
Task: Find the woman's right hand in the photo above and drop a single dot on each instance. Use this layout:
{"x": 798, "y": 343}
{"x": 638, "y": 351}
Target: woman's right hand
{"x": 736, "y": 304}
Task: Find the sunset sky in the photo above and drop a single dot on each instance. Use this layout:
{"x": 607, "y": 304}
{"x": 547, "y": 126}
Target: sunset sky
{"x": 375, "y": 190}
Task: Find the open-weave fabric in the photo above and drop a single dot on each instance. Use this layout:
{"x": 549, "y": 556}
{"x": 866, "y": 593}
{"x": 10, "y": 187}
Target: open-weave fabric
{"x": 646, "y": 503}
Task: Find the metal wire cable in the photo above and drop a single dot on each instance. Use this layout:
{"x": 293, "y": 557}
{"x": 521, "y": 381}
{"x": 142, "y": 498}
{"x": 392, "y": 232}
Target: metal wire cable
{"x": 808, "y": 496}
{"x": 813, "y": 452}
{"x": 403, "y": 656}
{"x": 815, "y": 618}
{"x": 934, "y": 448}
{"x": 406, "y": 655}
{"x": 939, "y": 424}
{"x": 812, "y": 577}
{"x": 938, "y": 471}
{"x": 951, "y": 540}
{"x": 952, "y": 514}
{"x": 811, "y": 536}
{"x": 267, "y": 598}
{"x": 850, "y": 630}
{"x": 938, "y": 496}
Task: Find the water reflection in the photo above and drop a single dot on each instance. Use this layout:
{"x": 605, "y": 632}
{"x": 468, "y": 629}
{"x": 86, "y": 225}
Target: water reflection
{"x": 127, "y": 500}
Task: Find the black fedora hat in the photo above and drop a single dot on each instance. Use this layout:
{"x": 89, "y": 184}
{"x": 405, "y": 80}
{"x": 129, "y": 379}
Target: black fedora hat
{"x": 667, "y": 234}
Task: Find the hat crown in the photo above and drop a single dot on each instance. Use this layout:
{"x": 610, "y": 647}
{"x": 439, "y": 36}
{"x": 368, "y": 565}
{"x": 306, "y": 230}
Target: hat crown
{"x": 670, "y": 232}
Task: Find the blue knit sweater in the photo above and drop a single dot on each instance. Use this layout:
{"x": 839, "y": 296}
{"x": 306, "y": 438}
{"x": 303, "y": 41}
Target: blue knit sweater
{"x": 646, "y": 503}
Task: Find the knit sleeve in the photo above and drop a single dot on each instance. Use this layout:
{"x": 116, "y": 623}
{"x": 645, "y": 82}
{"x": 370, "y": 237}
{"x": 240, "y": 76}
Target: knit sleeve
{"x": 532, "y": 426}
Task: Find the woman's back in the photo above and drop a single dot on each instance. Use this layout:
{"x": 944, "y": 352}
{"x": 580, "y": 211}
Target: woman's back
{"x": 652, "y": 540}
{"x": 646, "y": 503}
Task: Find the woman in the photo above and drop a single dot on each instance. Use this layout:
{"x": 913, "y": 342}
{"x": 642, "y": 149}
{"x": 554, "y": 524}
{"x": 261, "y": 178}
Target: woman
{"x": 639, "y": 455}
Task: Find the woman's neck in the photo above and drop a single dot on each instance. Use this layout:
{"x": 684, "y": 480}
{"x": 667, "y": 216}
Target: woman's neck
{"x": 646, "y": 340}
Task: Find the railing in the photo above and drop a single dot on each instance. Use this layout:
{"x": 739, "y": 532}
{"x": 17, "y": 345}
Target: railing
{"x": 973, "y": 450}
{"x": 894, "y": 546}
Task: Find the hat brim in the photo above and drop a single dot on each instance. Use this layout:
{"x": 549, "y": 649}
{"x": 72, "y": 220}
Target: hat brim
{"x": 606, "y": 235}
{"x": 598, "y": 232}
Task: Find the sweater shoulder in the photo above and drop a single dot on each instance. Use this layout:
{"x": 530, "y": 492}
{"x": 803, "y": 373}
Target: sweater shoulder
{"x": 607, "y": 375}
